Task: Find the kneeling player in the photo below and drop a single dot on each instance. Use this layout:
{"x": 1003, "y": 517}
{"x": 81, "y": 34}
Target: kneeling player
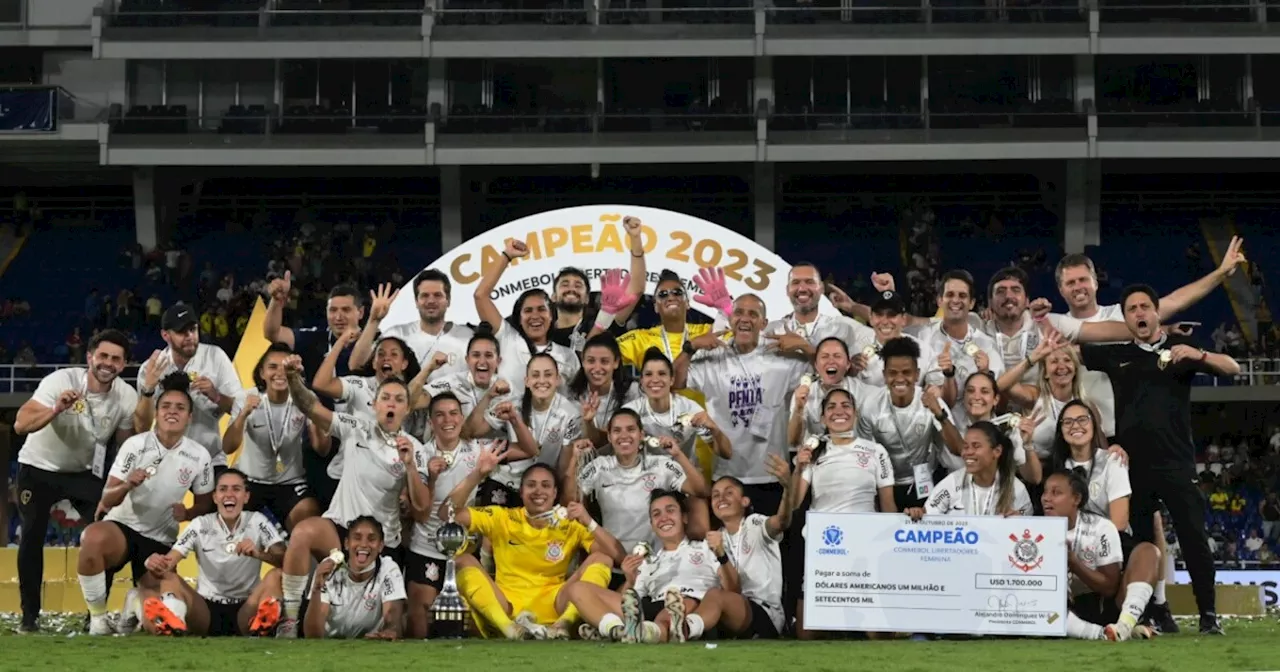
{"x": 1105, "y": 604}
{"x": 358, "y": 595}
{"x": 230, "y": 547}
{"x": 532, "y": 550}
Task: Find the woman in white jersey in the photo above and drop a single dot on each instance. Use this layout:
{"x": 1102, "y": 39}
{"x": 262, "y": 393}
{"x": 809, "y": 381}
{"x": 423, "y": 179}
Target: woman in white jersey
{"x": 143, "y": 500}
{"x": 450, "y": 459}
{"x": 1062, "y": 377}
{"x": 988, "y": 484}
{"x": 230, "y": 546}
{"x": 1078, "y": 445}
{"x": 751, "y": 543}
{"x": 621, "y": 482}
{"x": 361, "y": 595}
{"x": 466, "y": 386}
{"x": 1111, "y": 579}
{"x": 537, "y": 426}
{"x": 382, "y": 461}
{"x": 979, "y": 403}
{"x": 663, "y": 413}
{"x": 832, "y": 363}
{"x": 662, "y": 584}
{"x": 274, "y": 433}
{"x": 602, "y": 386}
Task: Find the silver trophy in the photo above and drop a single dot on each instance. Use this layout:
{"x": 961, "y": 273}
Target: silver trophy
{"x": 449, "y": 609}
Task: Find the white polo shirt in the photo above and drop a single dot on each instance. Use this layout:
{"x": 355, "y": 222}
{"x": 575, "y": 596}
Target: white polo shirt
{"x": 66, "y": 444}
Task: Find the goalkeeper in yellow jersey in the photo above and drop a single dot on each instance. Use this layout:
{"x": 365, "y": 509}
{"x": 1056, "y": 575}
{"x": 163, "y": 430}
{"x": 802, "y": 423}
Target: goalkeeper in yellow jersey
{"x": 533, "y": 548}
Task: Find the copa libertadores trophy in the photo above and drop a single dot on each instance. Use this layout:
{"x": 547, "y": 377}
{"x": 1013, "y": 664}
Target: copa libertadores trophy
{"x": 450, "y": 610}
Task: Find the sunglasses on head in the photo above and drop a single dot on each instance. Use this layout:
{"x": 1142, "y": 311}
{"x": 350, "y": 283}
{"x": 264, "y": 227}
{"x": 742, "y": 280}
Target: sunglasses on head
{"x": 664, "y": 293}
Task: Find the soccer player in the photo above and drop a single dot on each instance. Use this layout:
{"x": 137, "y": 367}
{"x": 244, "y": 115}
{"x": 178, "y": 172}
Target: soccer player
{"x": 603, "y": 385}
{"x": 987, "y": 486}
{"x": 533, "y": 548}
{"x": 979, "y": 403}
{"x": 143, "y": 500}
{"x": 431, "y": 334}
{"x": 274, "y": 434}
{"x": 1079, "y": 445}
{"x": 1110, "y": 572}
{"x": 848, "y": 474}
{"x": 663, "y": 413}
{"x": 68, "y": 422}
{"x": 230, "y": 547}
{"x": 383, "y": 462}
{"x": 344, "y": 598}
{"x": 834, "y": 372}
{"x": 466, "y": 386}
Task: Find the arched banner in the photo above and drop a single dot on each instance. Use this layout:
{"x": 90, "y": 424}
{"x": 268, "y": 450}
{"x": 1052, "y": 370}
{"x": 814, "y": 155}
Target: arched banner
{"x": 592, "y": 238}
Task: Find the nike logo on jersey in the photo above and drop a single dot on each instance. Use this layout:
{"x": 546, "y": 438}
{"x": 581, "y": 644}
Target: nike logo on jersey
{"x": 1124, "y": 364}
{"x": 514, "y": 542}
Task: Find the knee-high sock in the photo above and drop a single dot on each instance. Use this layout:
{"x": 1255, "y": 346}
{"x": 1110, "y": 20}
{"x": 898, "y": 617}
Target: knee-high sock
{"x": 596, "y": 575}
{"x": 1081, "y": 629}
{"x": 94, "y": 588}
{"x": 479, "y": 594}
{"x": 1136, "y": 596}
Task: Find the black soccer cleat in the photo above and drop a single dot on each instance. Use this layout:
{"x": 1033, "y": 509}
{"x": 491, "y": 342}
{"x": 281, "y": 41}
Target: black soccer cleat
{"x": 1159, "y": 617}
{"x": 1210, "y": 625}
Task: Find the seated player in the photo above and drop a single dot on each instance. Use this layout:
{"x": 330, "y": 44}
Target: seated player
{"x": 1111, "y": 575}
{"x": 230, "y": 546}
{"x": 661, "y": 587}
{"x": 343, "y": 596}
{"x": 533, "y": 546}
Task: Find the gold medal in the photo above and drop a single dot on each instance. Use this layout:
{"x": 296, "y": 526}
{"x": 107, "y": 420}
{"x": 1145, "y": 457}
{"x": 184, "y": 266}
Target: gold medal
{"x": 652, "y": 442}
{"x": 453, "y": 358}
{"x": 1165, "y": 358}
{"x": 192, "y": 375}
{"x": 151, "y": 471}
{"x": 870, "y": 352}
{"x": 811, "y": 442}
{"x": 806, "y": 380}
{"x": 971, "y": 349}
{"x": 279, "y": 466}
{"x": 641, "y": 549}
{"x": 448, "y": 459}
{"x": 337, "y": 557}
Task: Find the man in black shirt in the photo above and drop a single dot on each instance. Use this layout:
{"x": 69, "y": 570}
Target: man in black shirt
{"x": 1151, "y": 378}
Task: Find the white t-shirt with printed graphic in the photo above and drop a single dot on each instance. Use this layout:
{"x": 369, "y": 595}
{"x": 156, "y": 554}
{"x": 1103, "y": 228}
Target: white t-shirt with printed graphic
{"x": 423, "y": 541}
{"x": 223, "y": 575}
{"x": 66, "y": 444}
{"x": 209, "y": 362}
{"x": 692, "y": 568}
{"x": 623, "y": 493}
{"x": 372, "y": 476}
{"x": 355, "y": 609}
{"x": 272, "y": 432}
{"x": 873, "y": 374}
{"x": 848, "y": 478}
{"x": 148, "y": 508}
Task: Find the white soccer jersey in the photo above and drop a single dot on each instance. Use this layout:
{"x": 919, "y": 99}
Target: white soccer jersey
{"x": 692, "y": 567}
{"x": 862, "y": 392}
{"x": 452, "y": 340}
{"x": 148, "y": 508}
{"x": 747, "y": 397}
{"x": 551, "y": 429}
{"x": 212, "y": 363}
{"x": 664, "y": 424}
{"x": 623, "y": 493}
{"x": 356, "y": 397}
{"x": 609, "y": 406}
{"x": 935, "y": 340}
{"x": 1095, "y": 541}
{"x": 274, "y": 435}
{"x": 848, "y": 478}
{"x": 227, "y": 576}
{"x": 372, "y": 476}
{"x": 423, "y": 540}
{"x": 846, "y": 329}
{"x": 1108, "y": 481}
{"x": 1042, "y": 436}
{"x": 460, "y": 385}
{"x": 957, "y": 495}
{"x": 758, "y": 559}
{"x": 873, "y": 374}
{"x": 960, "y": 418}
{"x": 911, "y": 435}
{"x": 516, "y": 355}
{"x": 67, "y": 443}
{"x": 355, "y": 608}
{"x": 1013, "y": 349}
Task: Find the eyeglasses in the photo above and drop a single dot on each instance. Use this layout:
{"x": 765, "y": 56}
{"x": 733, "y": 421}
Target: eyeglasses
{"x": 1078, "y": 421}
{"x": 664, "y": 293}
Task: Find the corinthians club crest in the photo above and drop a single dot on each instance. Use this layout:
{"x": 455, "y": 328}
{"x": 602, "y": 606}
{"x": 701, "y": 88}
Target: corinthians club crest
{"x": 1026, "y": 551}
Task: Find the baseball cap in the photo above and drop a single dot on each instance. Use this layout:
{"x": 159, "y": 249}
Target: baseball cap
{"x": 179, "y": 317}
{"x": 889, "y": 302}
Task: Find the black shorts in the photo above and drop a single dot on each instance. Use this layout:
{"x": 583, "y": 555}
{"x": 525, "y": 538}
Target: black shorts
{"x": 1127, "y": 543}
{"x": 424, "y": 570}
{"x": 38, "y": 490}
{"x": 137, "y": 549}
{"x": 224, "y": 618}
{"x": 761, "y": 625}
{"x": 1096, "y": 609}
{"x": 396, "y": 553}
{"x": 278, "y": 500}
{"x": 651, "y": 608}
{"x": 905, "y": 497}
{"x": 496, "y": 493}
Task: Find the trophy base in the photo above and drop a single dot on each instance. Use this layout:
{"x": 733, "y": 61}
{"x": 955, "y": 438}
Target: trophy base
{"x": 449, "y": 625}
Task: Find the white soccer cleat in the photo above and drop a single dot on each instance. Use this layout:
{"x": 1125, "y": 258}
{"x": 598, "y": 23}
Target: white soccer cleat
{"x": 288, "y": 629}
{"x": 102, "y": 624}
{"x": 632, "y": 618}
{"x": 131, "y": 615}
{"x": 529, "y": 622}
{"x": 673, "y": 604}
{"x": 588, "y": 633}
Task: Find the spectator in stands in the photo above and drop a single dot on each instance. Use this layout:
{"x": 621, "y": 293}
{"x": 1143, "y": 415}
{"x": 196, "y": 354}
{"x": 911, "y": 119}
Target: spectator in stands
{"x": 1220, "y": 498}
{"x": 1238, "y": 504}
{"x": 1254, "y": 543}
{"x": 1269, "y": 508}
{"x": 172, "y": 261}
{"x": 26, "y": 355}
{"x": 155, "y": 307}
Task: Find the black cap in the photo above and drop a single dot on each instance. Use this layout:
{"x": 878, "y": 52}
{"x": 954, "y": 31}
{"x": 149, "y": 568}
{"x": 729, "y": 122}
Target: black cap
{"x": 889, "y": 302}
{"x": 179, "y": 317}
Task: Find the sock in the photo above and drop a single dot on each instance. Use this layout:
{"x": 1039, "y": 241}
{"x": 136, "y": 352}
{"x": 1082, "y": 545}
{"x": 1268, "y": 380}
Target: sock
{"x": 596, "y": 575}
{"x": 609, "y": 622}
{"x": 176, "y": 605}
{"x": 95, "y": 593}
{"x": 476, "y": 590}
{"x": 696, "y": 626}
{"x": 1158, "y": 595}
{"x": 293, "y": 586}
{"x": 1081, "y": 629}
{"x": 486, "y": 560}
{"x": 1136, "y": 596}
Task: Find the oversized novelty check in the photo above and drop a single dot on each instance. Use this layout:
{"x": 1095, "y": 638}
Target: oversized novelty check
{"x": 880, "y": 572}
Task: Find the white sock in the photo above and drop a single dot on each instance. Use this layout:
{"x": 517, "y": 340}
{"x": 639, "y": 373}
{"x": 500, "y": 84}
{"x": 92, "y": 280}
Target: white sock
{"x": 609, "y": 622}
{"x": 94, "y": 588}
{"x": 1136, "y": 596}
{"x": 1081, "y": 629}
{"x": 696, "y": 626}
{"x": 176, "y": 605}
{"x": 1158, "y": 595}
{"x": 293, "y": 587}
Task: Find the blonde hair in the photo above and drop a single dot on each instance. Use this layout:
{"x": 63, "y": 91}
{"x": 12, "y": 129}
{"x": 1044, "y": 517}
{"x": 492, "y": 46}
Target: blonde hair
{"x": 1077, "y": 387}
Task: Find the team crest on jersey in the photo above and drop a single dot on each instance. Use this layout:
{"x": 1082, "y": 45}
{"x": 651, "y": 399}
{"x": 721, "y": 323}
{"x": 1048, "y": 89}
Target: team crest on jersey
{"x": 499, "y": 497}
{"x": 746, "y": 548}
{"x": 864, "y": 459}
{"x": 397, "y": 469}
{"x": 1088, "y": 555}
{"x": 555, "y": 551}
{"x": 184, "y": 476}
{"x": 553, "y": 437}
{"x": 295, "y": 424}
{"x": 696, "y": 559}
{"x": 370, "y": 602}
{"x": 1026, "y": 551}
{"x": 25, "y": 497}
{"x": 1095, "y": 491}
{"x": 433, "y": 572}
{"x": 650, "y": 482}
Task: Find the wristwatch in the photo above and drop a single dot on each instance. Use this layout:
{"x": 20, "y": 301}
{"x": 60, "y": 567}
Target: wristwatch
{"x": 688, "y": 348}
{"x": 949, "y": 373}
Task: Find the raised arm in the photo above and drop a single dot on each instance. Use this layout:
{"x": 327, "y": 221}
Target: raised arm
{"x": 305, "y": 399}
{"x": 485, "y": 307}
{"x": 272, "y": 325}
{"x": 639, "y": 272}
{"x": 780, "y": 521}
{"x": 326, "y": 381}
{"x": 379, "y": 305}
{"x": 144, "y": 413}
{"x": 1186, "y": 296}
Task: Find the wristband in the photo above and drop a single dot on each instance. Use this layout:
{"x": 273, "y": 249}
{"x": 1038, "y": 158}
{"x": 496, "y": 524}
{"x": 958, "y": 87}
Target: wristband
{"x": 722, "y": 559}
{"x": 147, "y": 393}
{"x": 949, "y": 373}
{"x": 604, "y": 320}
{"x": 509, "y": 259}
{"x": 593, "y": 527}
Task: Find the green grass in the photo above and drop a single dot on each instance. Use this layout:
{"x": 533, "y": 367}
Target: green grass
{"x": 1248, "y": 646}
